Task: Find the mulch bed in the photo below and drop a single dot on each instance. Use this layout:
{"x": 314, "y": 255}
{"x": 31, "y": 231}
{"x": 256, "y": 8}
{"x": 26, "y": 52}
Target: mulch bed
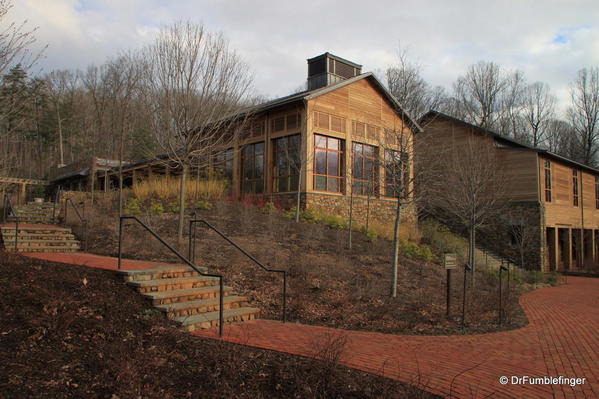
{"x": 75, "y": 332}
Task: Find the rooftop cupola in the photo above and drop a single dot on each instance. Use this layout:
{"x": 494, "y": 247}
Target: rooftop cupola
{"x": 327, "y": 69}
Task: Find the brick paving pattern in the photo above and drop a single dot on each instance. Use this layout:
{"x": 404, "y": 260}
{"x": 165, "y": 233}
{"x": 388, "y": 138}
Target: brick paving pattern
{"x": 562, "y": 339}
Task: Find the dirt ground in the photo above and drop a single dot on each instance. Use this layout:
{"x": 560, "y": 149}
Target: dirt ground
{"x": 75, "y": 332}
{"x": 328, "y": 284}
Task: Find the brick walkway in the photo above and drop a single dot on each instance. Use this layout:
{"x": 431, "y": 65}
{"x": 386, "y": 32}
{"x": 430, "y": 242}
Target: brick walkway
{"x": 97, "y": 261}
{"x": 562, "y": 339}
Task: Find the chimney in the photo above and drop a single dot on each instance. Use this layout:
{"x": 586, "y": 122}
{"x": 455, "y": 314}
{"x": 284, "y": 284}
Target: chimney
{"x": 327, "y": 69}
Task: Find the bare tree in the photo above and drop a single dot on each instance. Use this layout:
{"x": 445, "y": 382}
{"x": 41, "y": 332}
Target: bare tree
{"x": 415, "y": 95}
{"x": 538, "y": 111}
{"x": 405, "y": 179}
{"x": 61, "y": 85}
{"x": 509, "y": 114}
{"x": 584, "y": 113}
{"x": 194, "y": 84}
{"x": 468, "y": 190}
{"x": 522, "y": 233}
{"x": 478, "y": 93}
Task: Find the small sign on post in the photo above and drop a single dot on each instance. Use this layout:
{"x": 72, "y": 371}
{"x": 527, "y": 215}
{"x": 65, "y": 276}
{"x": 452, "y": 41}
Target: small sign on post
{"x": 451, "y": 262}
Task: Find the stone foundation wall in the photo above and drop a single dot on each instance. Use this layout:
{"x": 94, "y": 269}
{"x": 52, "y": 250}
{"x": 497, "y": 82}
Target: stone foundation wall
{"x": 499, "y": 235}
{"x": 380, "y": 211}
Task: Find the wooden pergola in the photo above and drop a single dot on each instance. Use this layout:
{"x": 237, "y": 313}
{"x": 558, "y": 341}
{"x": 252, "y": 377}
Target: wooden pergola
{"x": 6, "y": 181}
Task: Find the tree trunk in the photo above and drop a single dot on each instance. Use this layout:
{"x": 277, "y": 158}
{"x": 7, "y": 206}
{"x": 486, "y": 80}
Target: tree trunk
{"x": 60, "y": 136}
{"x": 121, "y": 150}
{"x": 472, "y": 252}
{"x": 396, "y": 248}
{"x": 182, "y": 203}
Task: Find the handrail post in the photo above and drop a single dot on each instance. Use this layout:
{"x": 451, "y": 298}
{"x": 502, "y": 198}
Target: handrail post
{"x": 221, "y": 316}
{"x": 16, "y": 233}
{"x": 120, "y": 241}
{"x": 284, "y": 296}
{"x": 189, "y": 251}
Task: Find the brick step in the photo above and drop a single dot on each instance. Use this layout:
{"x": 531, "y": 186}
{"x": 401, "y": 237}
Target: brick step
{"x": 43, "y": 249}
{"x": 172, "y": 284}
{"x": 38, "y": 244}
{"x": 160, "y": 272}
{"x": 185, "y": 309}
{"x": 38, "y": 236}
{"x": 211, "y": 319}
{"x": 176, "y": 296}
{"x": 40, "y": 204}
{"x": 36, "y": 229}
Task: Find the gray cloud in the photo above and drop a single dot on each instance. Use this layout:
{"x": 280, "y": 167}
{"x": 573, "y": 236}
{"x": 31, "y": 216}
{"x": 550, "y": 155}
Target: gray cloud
{"x": 548, "y": 40}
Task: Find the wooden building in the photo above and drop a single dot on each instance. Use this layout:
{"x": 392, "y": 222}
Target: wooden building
{"x": 331, "y": 138}
{"x": 558, "y": 197}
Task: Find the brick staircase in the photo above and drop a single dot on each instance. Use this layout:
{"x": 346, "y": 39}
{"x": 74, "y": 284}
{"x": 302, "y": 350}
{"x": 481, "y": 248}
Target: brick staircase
{"x": 34, "y": 234}
{"x": 33, "y": 212}
{"x": 188, "y": 297}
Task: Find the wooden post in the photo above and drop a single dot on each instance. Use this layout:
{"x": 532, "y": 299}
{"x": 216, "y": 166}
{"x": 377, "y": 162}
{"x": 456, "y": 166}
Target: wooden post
{"x": 23, "y": 195}
{"x": 106, "y": 181}
{"x": 556, "y": 248}
{"x": 569, "y": 248}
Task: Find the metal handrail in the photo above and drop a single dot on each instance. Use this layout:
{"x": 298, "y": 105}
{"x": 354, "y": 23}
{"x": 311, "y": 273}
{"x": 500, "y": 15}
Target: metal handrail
{"x": 184, "y": 259}
{"x": 8, "y": 205}
{"x": 81, "y": 218}
{"x": 243, "y": 251}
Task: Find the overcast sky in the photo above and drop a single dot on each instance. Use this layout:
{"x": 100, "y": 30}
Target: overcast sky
{"x": 550, "y": 40}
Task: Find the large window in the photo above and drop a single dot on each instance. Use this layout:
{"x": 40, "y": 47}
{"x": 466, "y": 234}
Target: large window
{"x": 575, "y": 187}
{"x": 364, "y": 170}
{"x": 287, "y": 163}
{"x": 547, "y": 181}
{"x": 253, "y": 168}
{"x": 397, "y": 174}
{"x": 222, "y": 164}
{"x": 328, "y": 163}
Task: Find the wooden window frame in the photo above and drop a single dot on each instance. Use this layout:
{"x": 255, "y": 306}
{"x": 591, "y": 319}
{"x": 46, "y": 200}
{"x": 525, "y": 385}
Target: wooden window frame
{"x": 548, "y": 185}
{"x": 275, "y": 170}
{"x": 365, "y": 180}
{"x": 252, "y": 182}
{"x": 389, "y": 184}
{"x": 596, "y": 192}
{"x": 575, "y": 199}
{"x": 340, "y": 178}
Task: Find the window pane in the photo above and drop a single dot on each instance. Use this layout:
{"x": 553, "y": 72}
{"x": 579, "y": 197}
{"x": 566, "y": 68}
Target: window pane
{"x": 333, "y": 164}
{"x": 320, "y": 141}
{"x": 247, "y": 167}
{"x": 357, "y": 168}
{"x": 332, "y": 184}
{"x": 333, "y": 143}
{"x": 293, "y": 182}
{"x": 320, "y": 183}
{"x": 282, "y": 185}
{"x": 321, "y": 159}
{"x": 259, "y": 186}
{"x": 259, "y": 148}
{"x": 369, "y": 150}
{"x": 368, "y": 169}
{"x": 259, "y": 166}
{"x": 357, "y": 148}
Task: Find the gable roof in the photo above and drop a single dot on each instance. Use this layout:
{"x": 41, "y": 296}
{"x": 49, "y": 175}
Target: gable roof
{"x": 311, "y": 94}
{"x": 432, "y": 114}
